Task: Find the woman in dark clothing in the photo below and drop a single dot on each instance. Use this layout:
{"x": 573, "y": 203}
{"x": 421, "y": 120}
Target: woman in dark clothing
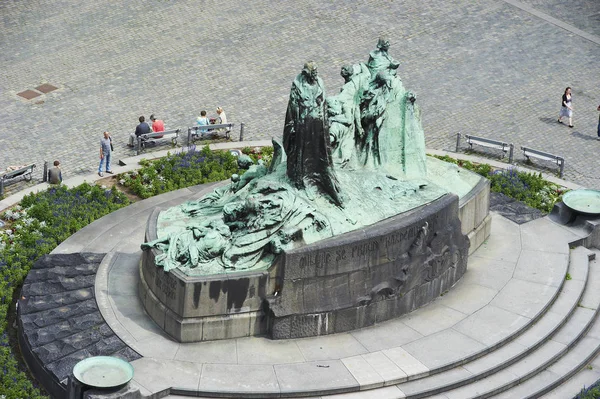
{"x": 566, "y": 109}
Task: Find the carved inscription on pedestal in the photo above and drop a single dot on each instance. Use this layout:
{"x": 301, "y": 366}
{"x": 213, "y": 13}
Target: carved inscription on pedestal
{"x": 166, "y": 284}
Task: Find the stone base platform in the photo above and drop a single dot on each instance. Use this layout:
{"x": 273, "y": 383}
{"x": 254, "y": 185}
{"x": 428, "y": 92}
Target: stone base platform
{"x": 513, "y": 305}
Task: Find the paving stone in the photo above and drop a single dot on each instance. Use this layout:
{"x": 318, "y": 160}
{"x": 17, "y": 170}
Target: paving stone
{"x": 330, "y": 347}
{"x": 491, "y": 325}
{"x": 433, "y": 318}
{"x": 468, "y": 298}
{"x": 407, "y": 362}
{"x": 388, "y": 370}
{"x": 442, "y": 348}
{"x": 315, "y": 377}
{"x": 494, "y": 274}
{"x": 542, "y": 267}
{"x": 255, "y": 350}
{"x": 222, "y": 351}
{"x": 157, "y": 375}
{"x": 363, "y": 372}
{"x": 385, "y": 335}
{"x": 524, "y": 297}
{"x": 553, "y": 238}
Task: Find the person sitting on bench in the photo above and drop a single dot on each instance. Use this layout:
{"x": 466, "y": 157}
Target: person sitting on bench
{"x": 140, "y": 129}
{"x": 157, "y": 124}
{"x": 202, "y": 120}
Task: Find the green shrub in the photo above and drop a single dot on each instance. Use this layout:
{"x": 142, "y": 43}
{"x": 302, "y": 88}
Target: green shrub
{"x": 592, "y": 392}
{"x": 180, "y": 170}
{"x": 187, "y": 169}
{"x": 35, "y": 228}
{"x": 530, "y": 188}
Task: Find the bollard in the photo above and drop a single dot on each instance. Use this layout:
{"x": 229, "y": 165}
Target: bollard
{"x": 457, "y": 141}
{"x": 45, "y": 176}
{"x": 138, "y": 145}
{"x": 242, "y": 131}
{"x": 510, "y": 153}
{"x": 561, "y": 161}
{"x": 189, "y": 139}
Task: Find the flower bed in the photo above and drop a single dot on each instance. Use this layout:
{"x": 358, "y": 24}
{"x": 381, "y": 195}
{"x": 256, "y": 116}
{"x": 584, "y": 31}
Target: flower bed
{"x": 591, "y": 392}
{"x": 529, "y": 188}
{"x": 44, "y": 220}
{"x": 35, "y": 228}
{"x": 186, "y": 169}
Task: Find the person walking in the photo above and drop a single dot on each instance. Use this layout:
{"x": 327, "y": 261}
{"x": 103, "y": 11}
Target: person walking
{"x": 598, "y": 109}
{"x": 566, "y": 108}
{"x": 105, "y": 150}
{"x": 157, "y": 124}
{"x": 55, "y": 174}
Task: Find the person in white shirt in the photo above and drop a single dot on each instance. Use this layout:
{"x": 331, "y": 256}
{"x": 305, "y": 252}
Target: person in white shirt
{"x": 222, "y": 118}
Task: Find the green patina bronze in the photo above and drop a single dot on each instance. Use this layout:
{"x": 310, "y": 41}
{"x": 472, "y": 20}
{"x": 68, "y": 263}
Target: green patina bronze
{"x": 345, "y": 162}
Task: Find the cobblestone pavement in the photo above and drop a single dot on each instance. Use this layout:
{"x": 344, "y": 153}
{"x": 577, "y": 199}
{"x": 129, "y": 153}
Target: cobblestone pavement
{"x": 491, "y": 68}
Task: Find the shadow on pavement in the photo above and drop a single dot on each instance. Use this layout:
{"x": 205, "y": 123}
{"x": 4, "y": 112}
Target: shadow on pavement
{"x": 550, "y": 121}
{"x": 584, "y": 136}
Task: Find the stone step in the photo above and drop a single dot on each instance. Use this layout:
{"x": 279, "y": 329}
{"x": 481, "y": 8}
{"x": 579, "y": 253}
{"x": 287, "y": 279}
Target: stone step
{"x": 377, "y": 373}
{"x": 571, "y": 348}
{"x": 564, "y": 322}
{"x": 582, "y": 379}
{"x": 517, "y": 347}
{"x": 580, "y": 368}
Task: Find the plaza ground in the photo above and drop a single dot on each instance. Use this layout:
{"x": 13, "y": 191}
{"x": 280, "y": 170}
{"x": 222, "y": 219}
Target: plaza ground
{"x": 490, "y": 68}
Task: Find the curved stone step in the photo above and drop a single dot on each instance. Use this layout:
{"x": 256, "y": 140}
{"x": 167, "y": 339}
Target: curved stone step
{"x": 580, "y": 368}
{"x": 489, "y": 368}
{"x": 378, "y": 358}
{"x": 524, "y": 343}
{"x": 559, "y": 352}
{"x": 582, "y": 379}
{"x": 378, "y": 368}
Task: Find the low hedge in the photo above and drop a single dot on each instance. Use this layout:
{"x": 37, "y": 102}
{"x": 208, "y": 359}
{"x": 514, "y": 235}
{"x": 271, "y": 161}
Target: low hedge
{"x": 187, "y": 169}
{"x": 529, "y": 188}
{"x": 35, "y": 228}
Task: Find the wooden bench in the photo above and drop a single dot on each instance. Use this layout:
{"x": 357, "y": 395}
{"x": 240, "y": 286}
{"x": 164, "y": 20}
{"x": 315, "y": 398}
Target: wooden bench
{"x": 153, "y": 138}
{"x": 489, "y": 143}
{"x": 12, "y": 176}
{"x": 207, "y": 131}
{"x": 558, "y": 160}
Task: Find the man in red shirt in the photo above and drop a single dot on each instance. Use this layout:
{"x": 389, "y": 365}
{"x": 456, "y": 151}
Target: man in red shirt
{"x": 157, "y": 124}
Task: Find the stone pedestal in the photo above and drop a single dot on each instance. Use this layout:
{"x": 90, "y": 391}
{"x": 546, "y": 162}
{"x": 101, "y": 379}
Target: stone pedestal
{"x": 366, "y": 276}
{"x": 342, "y": 283}
{"x": 202, "y": 308}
